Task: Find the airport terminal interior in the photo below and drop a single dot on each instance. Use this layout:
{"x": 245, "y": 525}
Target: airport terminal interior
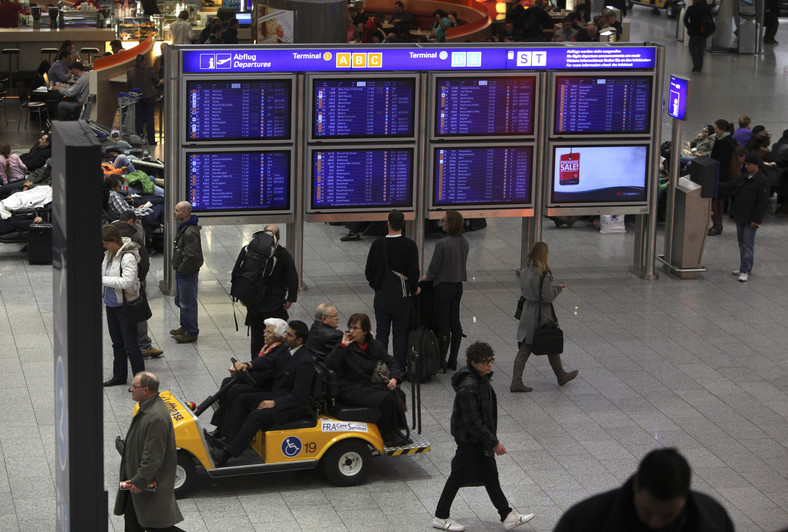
{"x": 701, "y": 365}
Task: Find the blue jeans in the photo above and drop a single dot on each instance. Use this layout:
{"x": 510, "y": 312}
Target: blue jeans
{"x": 398, "y": 326}
{"x": 746, "y": 236}
{"x": 186, "y": 300}
{"x": 124, "y": 344}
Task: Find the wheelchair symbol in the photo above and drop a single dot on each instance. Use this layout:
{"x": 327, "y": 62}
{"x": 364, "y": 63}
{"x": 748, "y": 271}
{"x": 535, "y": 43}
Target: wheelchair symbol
{"x": 291, "y": 446}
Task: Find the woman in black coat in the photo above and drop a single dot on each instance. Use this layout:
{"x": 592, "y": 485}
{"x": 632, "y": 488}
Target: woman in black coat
{"x": 356, "y": 358}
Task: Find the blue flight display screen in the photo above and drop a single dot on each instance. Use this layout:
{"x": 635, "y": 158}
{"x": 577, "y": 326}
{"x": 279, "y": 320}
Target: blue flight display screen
{"x": 238, "y": 109}
{"x": 362, "y": 179}
{"x": 227, "y": 181}
{"x": 359, "y": 108}
{"x": 485, "y": 106}
{"x": 600, "y": 104}
{"x": 482, "y": 176}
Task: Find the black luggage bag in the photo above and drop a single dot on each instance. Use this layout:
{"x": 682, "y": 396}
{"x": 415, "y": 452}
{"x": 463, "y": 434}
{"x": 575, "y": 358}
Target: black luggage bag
{"x": 39, "y": 243}
{"x": 421, "y": 337}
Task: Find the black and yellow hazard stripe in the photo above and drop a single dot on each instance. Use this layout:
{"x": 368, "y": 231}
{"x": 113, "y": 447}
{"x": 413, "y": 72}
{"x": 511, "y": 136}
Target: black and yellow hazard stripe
{"x": 398, "y": 451}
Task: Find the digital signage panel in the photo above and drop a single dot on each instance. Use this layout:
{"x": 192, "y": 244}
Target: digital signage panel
{"x": 230, "y": 181}
{"x": 678, "y": 93}
{"x": 361, "y": 180}
{"x": 599, "y": 174}
{"x": 484, "y": 106}
{"x": 236, "y": 109}
{"x": 365, "y": 107}
{"x": 481, "y": 177}
{"x": 602, "y": 104}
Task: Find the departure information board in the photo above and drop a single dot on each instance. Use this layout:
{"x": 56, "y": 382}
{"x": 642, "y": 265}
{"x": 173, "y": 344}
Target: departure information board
{"x": 496, "y": 176}
{"x": 238, "y": 109}
{"x": 239, "y": 180}
{"x": 602, "y": 104}
{"x": 485, "y": 106}
{"x": 362, "y": 179}
{"x": 359, "y": 108}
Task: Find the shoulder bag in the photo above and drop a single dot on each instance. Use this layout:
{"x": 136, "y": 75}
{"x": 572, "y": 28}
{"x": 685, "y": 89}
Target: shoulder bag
{"x": 548, "y": 338}
{"x": 138, "y": 310}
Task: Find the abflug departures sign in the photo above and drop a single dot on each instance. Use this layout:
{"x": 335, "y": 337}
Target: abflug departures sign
{"x": 228, "y": 61}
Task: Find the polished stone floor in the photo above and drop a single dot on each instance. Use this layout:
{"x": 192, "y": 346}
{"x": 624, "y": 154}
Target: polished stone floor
{"x": 700, "y": 365}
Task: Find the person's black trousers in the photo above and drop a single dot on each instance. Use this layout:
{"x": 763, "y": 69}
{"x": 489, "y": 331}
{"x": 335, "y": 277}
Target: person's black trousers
{"x": 471, "y": 467}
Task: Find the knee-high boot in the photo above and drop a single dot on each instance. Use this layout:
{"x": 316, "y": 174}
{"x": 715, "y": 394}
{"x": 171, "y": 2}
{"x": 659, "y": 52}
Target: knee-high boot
{"x": 523, "y": 353}
{"x": 558, "y": 368}
{"x": 443, "y": 349}
{"x": 456, "y": 340}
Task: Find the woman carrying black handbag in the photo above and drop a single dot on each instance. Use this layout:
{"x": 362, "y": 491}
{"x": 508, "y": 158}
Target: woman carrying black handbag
{"x": 119, "y": 281}
{"x": 539, "y": 290}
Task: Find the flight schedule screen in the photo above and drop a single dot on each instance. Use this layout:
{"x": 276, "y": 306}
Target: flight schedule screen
{"x": 482, "y": 176}
{"x": 598, "y": 104}
{"x": 362, "y": 179}
{"x": 238, "y": 109}
{"x": 228, "y": 181}
{"x": 353, "y": 108}
{"x": 485, "y": 107}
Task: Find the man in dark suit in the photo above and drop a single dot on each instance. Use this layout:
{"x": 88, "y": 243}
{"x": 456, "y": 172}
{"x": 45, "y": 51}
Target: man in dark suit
{"x": 289, "y": 373}
{"x": 323, "y": 334}
{"x": 149, "y": 456}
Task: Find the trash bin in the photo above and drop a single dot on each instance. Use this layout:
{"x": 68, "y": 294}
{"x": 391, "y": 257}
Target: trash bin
{"x": 690, "y": 224}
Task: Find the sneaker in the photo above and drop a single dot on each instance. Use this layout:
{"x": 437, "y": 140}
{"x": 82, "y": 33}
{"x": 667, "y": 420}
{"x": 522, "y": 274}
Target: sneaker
{"x": 447, "y": 524}
{"x": 743, "y": 277}
{"x": 735, "y": 272}
{"x": 185, "y": 338}
{"x": 514, "y": 519}
{"x": 176, "y": 332}
{"x": 152, "y": 353}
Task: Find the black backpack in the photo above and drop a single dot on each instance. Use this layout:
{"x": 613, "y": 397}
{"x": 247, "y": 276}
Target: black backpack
{"x": 253, "y": 266}
{"x": 707, "y": 25}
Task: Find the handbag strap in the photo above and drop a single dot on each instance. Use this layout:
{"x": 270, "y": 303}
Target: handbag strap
{"x": 555, "y": 316}
{"x": 403, "y": 279}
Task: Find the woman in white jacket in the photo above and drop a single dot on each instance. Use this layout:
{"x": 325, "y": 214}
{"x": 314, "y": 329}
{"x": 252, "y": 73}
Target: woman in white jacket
{"x": 119, "y": 276}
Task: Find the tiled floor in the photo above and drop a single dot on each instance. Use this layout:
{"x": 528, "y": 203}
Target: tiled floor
{"x": 700, "y": 365}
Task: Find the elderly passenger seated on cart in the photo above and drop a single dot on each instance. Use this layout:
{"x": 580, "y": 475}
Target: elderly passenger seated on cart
{"x": 369, "y": 377}
{"x": 275, "y": 329}
{"x": 289, "y": 373}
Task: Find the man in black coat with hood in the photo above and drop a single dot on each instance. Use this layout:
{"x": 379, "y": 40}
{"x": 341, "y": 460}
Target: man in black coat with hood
{"x": 474, "y": 420}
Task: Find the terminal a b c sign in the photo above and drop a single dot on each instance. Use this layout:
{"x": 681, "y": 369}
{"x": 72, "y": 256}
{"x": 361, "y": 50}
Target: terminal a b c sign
{"x": 359, "y": 60}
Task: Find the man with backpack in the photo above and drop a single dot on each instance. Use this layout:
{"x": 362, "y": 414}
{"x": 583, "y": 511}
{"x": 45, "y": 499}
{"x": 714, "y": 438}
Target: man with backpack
{"x": 700, "y": 25}
{"x": 274, "y": 285}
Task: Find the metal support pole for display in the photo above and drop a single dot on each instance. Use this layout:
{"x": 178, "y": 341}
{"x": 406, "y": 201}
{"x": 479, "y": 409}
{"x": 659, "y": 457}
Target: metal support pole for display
{"x": 169, "y": 107}
{"x": 675, "y": 165}
{"x": 527, "y": 240}
{"x": 295, "y": 231}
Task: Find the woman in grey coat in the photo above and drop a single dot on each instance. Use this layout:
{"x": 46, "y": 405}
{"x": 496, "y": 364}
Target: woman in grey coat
{"x": 536, "y": 273}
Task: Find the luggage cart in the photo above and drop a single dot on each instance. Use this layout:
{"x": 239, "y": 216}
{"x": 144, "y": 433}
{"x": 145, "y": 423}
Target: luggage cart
{"x": 124, "y": 127}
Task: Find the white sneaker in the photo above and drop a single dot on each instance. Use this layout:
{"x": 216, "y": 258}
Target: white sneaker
{"x": 514, "y": 519}
{"x": 735, "y": 272}
{"x": 447, "y": 524}
{"x": 743, "y": 277}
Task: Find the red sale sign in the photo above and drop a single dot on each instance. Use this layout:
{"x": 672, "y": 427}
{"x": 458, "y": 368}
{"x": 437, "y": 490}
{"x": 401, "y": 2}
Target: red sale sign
{"x": 569, "y": 169}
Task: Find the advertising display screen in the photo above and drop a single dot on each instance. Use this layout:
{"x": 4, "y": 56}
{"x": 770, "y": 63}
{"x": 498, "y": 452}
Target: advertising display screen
{"x": 602, "y": 104}
{"x": 238, "y": 180}
{"x": 238, "y": 109}
{"x": 363, "y": 108}
{"x": 361, "y": 180}
{"x": 599, "y": 174}
{"x": 678, "y": 94}
{"x": 485, "y": 106}
{"x": 492, "y": 177}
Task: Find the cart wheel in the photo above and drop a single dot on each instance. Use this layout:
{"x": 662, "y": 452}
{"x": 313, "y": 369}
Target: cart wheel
{"x": 347, "y": 462}
{"x": 629, "y": 5}
{"x": 184, "y": 474}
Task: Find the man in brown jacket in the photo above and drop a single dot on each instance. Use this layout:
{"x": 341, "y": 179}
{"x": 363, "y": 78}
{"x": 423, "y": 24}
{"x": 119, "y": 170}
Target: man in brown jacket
{"x": 149, "y": 456}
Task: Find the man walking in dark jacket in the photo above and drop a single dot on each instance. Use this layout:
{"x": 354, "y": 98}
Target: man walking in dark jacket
{"x": 186, "y": 260}
{"x": 752, "y": 197}
{"x": 281, "y": 291}
{"x": 657, "y": 497}
{"x": 696, "y": 15}
{"x": 474, "y": 420}
{"x": 393, "y": 273}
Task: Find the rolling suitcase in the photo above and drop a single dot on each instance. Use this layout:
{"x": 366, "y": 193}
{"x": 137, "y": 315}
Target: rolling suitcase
{"x": 39, "y": 243}
{"x": 421, "y": 337}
